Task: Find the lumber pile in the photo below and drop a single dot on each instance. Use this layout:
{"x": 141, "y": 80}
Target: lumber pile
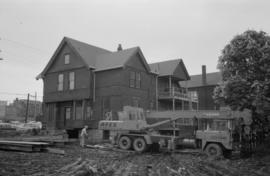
{"x": 23, "y": 146}
{"x": 82, "y": 167}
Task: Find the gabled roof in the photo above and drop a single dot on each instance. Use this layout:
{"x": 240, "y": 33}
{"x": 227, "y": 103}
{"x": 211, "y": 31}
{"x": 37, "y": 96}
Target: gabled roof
{"x": 86, "y": 51}
{"x": 168, "y": 68}
{"x": 118, "y": 59}
{"x": 96, "y": 58}
{"x": 196, "y": 80}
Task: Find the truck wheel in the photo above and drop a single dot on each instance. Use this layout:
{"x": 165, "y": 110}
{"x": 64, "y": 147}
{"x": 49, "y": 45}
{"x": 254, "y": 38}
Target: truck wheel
{"x": 140, "y": 145}
{"x": 213, "y": 150}
{"x": 125, "y": 143}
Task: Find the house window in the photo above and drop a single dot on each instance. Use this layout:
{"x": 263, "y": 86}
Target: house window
{"x": 60, "y": 85}
{"x": 71, "y": 80}
{"x": 78, "y": 110}
{"x": 135, "y": 79}
{"x": 132, "y": 79}
{"x": 88, "y": 114}
{"x": 194, "y": 95}
{"x": 68, "y": 113}
{"x": 138, "y": 80}
{"x": 67, "y": 59}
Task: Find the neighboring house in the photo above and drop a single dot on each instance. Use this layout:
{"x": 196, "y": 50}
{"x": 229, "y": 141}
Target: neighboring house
{"x": 202, "y": 87}
{"x": 171, "y": 95}
{"x": 84, "y": 84}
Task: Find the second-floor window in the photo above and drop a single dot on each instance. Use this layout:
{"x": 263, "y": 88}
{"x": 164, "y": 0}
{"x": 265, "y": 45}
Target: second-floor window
{"x": 193, "y": 95}
{"x": 135, "y": 79}
{"x": 60, "y": 83}
{"x": 138, "y": 80}
{"x": 67, "y": 59}
{"x": 71, "y": 80}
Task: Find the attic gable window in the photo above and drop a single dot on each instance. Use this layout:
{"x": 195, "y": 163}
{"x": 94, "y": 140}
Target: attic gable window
{"x": 67, "y": 58}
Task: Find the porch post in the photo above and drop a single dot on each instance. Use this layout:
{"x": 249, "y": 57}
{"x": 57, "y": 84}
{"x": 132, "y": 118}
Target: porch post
{"x": 170, "y": 85}
{"x": 183, "y": 96}
{"x": 74, "y": 110}
{"x": 83, "y": 109}
{"x": 173, "y": 103}
{"x": 156, "y": 92}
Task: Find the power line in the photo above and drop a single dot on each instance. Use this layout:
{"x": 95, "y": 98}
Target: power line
{"x": 18, "y": 94}
{"x": 24, "y": 45}
{"x": 8, "y": 93}
{"x": 25, "y": 60}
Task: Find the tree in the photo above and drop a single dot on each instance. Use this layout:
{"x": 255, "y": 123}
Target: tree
{"x": 245, "y": 67}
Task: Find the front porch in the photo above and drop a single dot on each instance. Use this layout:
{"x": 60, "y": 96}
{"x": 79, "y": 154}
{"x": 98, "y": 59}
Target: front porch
{"x": 178, "y": 99}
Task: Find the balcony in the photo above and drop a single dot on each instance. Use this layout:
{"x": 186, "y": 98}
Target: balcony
{"x": 178, "y": 94}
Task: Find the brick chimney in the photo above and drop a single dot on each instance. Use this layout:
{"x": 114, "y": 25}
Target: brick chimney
{"x": 204, "y": 80}
{"x": 119, "y": 47}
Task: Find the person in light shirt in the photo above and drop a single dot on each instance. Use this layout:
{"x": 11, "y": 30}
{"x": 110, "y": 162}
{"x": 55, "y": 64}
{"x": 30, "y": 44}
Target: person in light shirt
{"x": 83, "y": 136}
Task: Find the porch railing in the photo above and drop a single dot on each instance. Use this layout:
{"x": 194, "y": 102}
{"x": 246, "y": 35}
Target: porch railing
{"x": 177, "y": 93}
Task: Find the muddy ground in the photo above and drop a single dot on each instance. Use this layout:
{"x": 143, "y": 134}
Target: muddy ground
{"x": 131, "y": 164}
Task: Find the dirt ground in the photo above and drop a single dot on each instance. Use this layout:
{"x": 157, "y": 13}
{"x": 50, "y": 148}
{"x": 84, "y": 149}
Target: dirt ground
{"x": 130, "y": 164}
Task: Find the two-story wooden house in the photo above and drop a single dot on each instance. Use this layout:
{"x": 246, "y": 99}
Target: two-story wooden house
{"x": 82, "y": 83}
{"x": 170, "y": 94}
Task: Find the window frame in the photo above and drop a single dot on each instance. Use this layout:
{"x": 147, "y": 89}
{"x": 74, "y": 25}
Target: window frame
{"x": 60, "y": 82}
{"x": 70, "y": 113}
{"x": 78, "y": 110}
{"x": 67, "y": 59}
{"x": 135, "y": 79}
{"x": 132, "y": 79}
{"x": 71, "y": 82}
{"x": 138, "y": 80}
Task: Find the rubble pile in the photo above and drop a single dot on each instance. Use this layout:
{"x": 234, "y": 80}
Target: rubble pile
{"x": 79, "y": 161}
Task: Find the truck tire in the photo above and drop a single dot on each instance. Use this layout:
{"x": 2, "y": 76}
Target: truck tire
{"x": 139, "y": 145}
{"x": 213, "y": 150}
{"x": 125, "y": 143}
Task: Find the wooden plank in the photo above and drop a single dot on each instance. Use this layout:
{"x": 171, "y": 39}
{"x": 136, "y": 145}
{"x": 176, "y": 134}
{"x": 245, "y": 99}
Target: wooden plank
{"x": 55, "y": 150}
{"x": 23, "y": 142}
{"x": 17, "y": 148}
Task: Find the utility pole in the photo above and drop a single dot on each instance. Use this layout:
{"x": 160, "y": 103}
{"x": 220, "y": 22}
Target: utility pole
{"x": 27, "y": 106}
{"x": 35, "y": 112}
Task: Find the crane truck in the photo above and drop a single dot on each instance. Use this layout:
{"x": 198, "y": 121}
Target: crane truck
{"x": 211, "y": 131}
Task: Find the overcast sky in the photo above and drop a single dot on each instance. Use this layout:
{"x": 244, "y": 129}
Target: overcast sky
{"x": 194, "y": 30}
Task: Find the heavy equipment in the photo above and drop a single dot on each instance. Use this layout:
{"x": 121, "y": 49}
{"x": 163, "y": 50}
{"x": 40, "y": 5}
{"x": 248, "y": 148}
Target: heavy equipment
{"x": 211, "y": 131}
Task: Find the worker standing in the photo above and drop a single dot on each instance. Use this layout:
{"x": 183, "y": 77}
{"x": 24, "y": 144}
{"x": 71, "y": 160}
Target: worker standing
{"x": 83, "y": 135}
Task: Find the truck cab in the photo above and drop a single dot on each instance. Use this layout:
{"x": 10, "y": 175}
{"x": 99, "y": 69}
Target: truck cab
{"x": 214, "y": 135}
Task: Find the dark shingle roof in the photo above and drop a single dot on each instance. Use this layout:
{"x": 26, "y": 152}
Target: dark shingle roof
{"x": 196, "y": 80}
{"x": 97, "y": 58}
{"x": 168, "y": 68}
{"x": 86, "y": 51}
{"x": 164, "y": 68}
{"x": 115, "y": 59}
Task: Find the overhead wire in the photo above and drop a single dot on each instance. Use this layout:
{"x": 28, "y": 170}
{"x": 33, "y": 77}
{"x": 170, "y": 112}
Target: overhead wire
{"x": 24, "y": 45}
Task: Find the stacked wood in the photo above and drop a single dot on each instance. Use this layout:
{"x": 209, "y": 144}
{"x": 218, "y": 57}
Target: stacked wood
{"x": 82, "y": 167}
{"x": 22, "y": 145}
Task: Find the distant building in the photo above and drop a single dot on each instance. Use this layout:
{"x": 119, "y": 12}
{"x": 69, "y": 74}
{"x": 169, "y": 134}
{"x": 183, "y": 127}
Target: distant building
{"x": 3, "y": 105}
{"x": 202, "y": 87}
{"x": 17, "y": 109}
